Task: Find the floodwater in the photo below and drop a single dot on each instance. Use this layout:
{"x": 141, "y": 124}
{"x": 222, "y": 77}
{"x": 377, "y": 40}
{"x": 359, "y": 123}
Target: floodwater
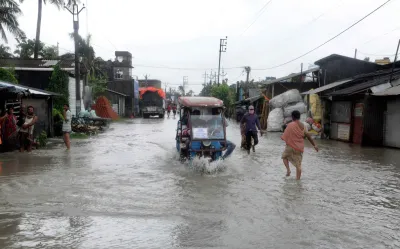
{"x": 126, "y": 189}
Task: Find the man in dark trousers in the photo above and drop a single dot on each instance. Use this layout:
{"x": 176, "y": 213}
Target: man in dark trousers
{"x": 252, "y": 123}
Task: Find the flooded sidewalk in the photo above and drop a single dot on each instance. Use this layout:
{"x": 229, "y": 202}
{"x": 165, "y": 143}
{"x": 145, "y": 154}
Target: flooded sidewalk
{"x": 127, "y": 189}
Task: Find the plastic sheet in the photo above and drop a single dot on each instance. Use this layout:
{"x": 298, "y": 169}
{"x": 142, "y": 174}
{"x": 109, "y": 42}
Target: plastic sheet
{"x": 275, "y": 120}
{"x": 288, "y": 97}
{"x": 300, "y": 106}
{"x": 316, "y": 107}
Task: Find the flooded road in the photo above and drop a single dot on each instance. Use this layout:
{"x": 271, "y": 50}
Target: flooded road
{"x": 126, "y": 189}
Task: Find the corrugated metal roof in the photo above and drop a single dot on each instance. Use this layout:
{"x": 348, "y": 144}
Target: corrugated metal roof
{"x": 389, "y": 92}
{"x": 327, "y": 87}
{"x": 365, "y": 85}
{"x": 292, "y": 75}
{"x": 24, "y": 89}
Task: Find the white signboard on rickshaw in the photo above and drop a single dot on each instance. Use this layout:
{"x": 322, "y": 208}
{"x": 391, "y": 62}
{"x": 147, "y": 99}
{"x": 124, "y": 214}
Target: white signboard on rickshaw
{"x": 200, "y": 133}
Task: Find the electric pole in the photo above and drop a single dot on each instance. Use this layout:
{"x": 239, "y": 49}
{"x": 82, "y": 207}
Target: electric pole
{"x": 205, "y": 77}
{"x": 222, "y": 48}
{"x": 145, "y": 77}
{"x": 75, "y": 14}
{"x": 223, "y": 75}
{"x": 185, "y": 82}
{"x": 355, "y": 54}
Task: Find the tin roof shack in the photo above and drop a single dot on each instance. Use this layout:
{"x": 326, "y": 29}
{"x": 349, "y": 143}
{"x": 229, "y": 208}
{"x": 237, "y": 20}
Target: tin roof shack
{"x": 18, "y": 96}
{"x": 337, "y": 67}
{"x": 302, "y": 81}
{"x": 357, "y": 115}
{"x": 36, "y": 73}
{"x": 117, "y": 101}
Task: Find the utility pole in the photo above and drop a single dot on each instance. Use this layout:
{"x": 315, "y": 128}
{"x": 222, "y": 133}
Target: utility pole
{"x": 394, "y": 62}
{"x": 145, "y": 77}
{"x": 205, "y": 77}
{"x": 185, "y": 82}
{"x": 355, "y": 54}
{"x": 301, "y": 72}
{"x": 223, "y": 75}
{"x": 222, "y": 48}
{"x": 75, "y": 14}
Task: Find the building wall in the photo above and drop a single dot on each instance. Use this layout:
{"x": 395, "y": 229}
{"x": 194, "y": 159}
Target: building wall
{"x": 125, "y": 87}
{"x": 342, "y": 68}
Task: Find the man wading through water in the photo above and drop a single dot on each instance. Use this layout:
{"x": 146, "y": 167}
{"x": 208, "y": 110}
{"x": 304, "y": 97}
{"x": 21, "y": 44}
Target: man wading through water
{"x": 252, "y": 123}
{"x": 294, "y": 137}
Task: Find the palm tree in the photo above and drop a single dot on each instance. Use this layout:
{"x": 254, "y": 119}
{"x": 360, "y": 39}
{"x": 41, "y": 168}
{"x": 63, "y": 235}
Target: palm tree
{"x": 5, "y": 51}
{"x": 59, "y": 4}
{"x": 9, "y": 10}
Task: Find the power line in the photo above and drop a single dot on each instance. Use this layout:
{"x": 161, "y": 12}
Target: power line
{"x": 181, "y": 68}
{"x": 376, "y": 54}
{"x": 260, "y": 12}
{"x": 331, "y": 39}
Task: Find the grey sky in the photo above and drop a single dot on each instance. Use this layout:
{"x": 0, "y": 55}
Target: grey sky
{"x": 185, "y": 33}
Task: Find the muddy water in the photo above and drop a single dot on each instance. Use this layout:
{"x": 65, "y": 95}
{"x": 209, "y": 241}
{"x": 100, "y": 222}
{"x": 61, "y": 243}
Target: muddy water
{"x": 126, "y": 189}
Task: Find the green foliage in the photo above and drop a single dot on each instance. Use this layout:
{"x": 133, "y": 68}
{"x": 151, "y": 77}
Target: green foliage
{"x": 25, "y": 50}
{"x": 9, "y": 11}
{"x": 5, "y": 51}
{"x": 57, "y": 115}
{"x": 59, "y": 84}
{"x": 224, "y": 93}
{"x": 8, "y": 76}
{"x": 78, "y": 136}
{"x": 42, "y": 139}
{"x": 98, "y": 84}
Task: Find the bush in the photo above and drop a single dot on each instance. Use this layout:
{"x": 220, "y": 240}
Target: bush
{"x": 42, "y": 139}
{"x": 58, "y": 120}
{"x": 7, "y": 75}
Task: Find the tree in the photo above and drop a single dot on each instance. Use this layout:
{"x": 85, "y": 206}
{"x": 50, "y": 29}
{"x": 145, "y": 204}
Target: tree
{"x": 98, "y": 85}
{"x": 190, "y": 93}
{"x": 9, "y": 10}
{"x": 49, "y": 53}
{"x": 8, "y": 76}
{"x": 366, "y": 59}
{"x": 224, "y": 93}
{"x": 26, "y": 49}
{"x": 59, "y": 4}
{"x": 5, "y": 52}
{"x": 59, "y": 84}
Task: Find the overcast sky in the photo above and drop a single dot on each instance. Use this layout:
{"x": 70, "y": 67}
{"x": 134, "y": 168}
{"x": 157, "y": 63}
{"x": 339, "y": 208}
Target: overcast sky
{"x": 186, "y": 33}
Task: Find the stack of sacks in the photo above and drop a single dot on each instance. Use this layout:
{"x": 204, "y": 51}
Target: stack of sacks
{"x": 286, "y": 102}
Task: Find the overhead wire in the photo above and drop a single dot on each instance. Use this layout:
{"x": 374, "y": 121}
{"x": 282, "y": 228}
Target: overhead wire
{"x": 260, "y": 12}
{"x": 329, "y": 40}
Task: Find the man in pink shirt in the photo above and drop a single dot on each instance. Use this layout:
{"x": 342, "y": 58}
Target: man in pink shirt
{"x": 294, "y": 137}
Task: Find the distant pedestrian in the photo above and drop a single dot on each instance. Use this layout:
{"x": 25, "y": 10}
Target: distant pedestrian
{"x": 9, "y": 130}
{"x": 26, "y": 131}
{"x": 294, "y": 137}
{"x": 66, "y": 128}
{"x": 252, "y": 123}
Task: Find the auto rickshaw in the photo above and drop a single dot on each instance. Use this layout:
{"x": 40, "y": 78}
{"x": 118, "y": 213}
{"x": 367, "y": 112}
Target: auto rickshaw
{"x": 201, "y": 130}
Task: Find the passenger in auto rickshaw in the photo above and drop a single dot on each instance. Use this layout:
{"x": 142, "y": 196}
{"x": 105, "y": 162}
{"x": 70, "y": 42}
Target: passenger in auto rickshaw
{"x": 230, "y": 147}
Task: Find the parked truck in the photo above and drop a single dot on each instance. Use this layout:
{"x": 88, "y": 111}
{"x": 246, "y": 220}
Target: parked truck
{"x": 152, "y": 102}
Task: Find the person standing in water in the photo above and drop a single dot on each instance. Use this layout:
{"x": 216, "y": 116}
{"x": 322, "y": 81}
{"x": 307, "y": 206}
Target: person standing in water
{"x": 294, "y": 137}
{"x": 252, "y": 123}
{"x": 26, "y": 131}
{"x": 66, "y": 128}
